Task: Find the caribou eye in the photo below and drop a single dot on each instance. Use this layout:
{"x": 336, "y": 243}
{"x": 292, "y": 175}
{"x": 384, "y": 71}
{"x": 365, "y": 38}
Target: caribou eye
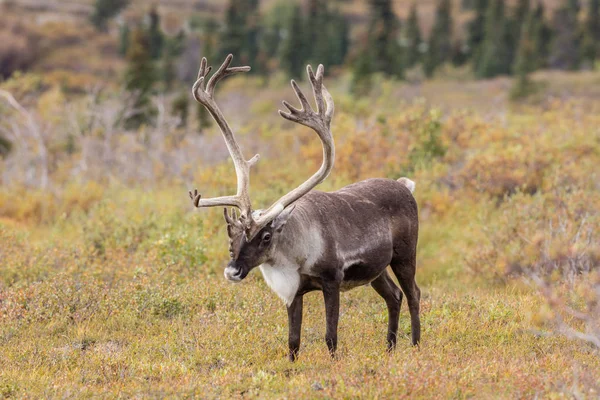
{"x": 266, "y": 237}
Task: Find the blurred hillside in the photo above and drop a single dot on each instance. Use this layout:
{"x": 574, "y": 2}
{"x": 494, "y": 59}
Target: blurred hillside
{"x": 87, "y": 84}
{"x": 53, "y": 37}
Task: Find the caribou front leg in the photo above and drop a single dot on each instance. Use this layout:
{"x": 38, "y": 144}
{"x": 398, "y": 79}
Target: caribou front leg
{"x": 295, "y": 326}
{"x": 331, "y": 294}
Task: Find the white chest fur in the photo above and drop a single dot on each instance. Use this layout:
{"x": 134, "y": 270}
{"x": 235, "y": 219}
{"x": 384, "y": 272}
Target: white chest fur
{"x": 283, "y": 280}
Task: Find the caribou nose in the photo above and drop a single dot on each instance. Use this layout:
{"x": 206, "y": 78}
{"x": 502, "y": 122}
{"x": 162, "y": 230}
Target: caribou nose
{"x": 232, "y": 273}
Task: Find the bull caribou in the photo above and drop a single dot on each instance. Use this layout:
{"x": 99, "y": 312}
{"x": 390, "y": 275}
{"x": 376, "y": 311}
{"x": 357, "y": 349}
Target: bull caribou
{"x": 311, "y": 240}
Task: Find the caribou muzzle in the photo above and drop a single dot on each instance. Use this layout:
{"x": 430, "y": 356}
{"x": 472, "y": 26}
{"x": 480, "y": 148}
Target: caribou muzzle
{"x": 235, "y": 272}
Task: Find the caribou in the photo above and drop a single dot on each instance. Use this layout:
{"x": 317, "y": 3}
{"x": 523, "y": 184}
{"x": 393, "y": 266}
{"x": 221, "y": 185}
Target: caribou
{"x": 311, "y": 240}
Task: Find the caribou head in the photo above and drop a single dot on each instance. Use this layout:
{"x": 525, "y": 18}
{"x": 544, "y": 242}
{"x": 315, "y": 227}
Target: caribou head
{"x": 253, "y": 235}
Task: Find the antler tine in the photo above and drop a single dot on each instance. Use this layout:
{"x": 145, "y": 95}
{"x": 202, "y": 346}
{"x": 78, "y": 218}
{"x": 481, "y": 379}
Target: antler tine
{"x": 320, "y": 122}
{"x": 317, "y": 84}
{"x": 204, "y": 69}
{"x": 228, "y": 218}
{"x": 300, "y": 96}
{"x": 204, "y": 94}
{"x": 222, "y": 72}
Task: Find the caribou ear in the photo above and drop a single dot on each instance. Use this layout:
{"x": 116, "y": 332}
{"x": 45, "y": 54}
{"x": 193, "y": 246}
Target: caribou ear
{"x": 280, "y": 221}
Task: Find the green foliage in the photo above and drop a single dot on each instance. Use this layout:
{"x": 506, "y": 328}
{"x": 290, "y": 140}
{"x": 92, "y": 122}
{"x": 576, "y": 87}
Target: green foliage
{"x": 326, "y": 34}
{"x": 104, "y": 230}
{"x": 439, "y": 49}
{"x": 155, "y": 35}
{"x": 362, "y": 70}
{"x": 180, "y": 107}
{"x": 124, "y": 39}
{"x": 167, "y": 70}
{"x": 495, "y": 54}
{"x": 428, "y": 145}
{"x": 338, "y": 35}
{"x": 541, "y": 36}
{"x": 209, "y": 36}
{"x": 139, "y": 79}
{"x": 172, "y": 49}
{"x": 565, "y": 52}
{"x": 591, "y": 35}
{"x": 516, "y": 23}
{"x": 233, "y": 34}
{"x": 293, "y": 48}
{"x": 412, "y": 37}
{"x": 380, "y": 50}
{"x": 383, "y": 35}
{"x": 240, "y": 33}
{"x": 106, "y": 9}
{"x": 182, "y": 246}
{"x": 274, "y": 22}
{"x": 525, "y": 61}
{"x": 476, "y": 32}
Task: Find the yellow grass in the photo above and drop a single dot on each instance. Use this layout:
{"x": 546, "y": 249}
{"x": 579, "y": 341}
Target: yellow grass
{"x": 114, "y": 290}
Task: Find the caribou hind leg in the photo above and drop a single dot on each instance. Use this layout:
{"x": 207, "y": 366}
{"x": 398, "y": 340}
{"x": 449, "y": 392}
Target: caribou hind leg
{"x": 331, "y": 295}
{"x": 405, "y": 272}
{"x": 386, "y": 288}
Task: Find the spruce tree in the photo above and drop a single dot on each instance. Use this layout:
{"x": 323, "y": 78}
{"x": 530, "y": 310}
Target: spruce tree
{"x": 326, "y": 34}
{"x": 105, "y": 10}
{"x": 475, "y": 32}
{"x": 380, "y": 50}
{"x": 566, "y": 45}
{"x": 139, "y": 79}
{"x": 155, "y": 35}
{"x": 339, "y": 38}
{"x": 210, "y": 38}
{"x": 439, "y": 49}
{"x": 317, "y": 32}
{"x": 521, "y": 16}
{"x": 233, "y": 35}
{"x": 172, "y": 49}
{"x": 542, "y": 36}
{"x": 591, "y": 38}
{"x": 272, "y": 26}
{"x": 167, "y": 69}
{"x": 293, "y": 51}
{"x": 459, "y": 54}
{"x": 123, "y": 39}
{"x": 362, "y": 70}
{"x": 384, "y": 29}
{"x": 525, "y": 59}
{"x": 494, "y": 53}
{"x": 180, "y": 107}
{"x": 412, "y": 38}
{"x": 515, "y": 25}
{"x": 241, "y": 33}
{"x": 252, "y": 33}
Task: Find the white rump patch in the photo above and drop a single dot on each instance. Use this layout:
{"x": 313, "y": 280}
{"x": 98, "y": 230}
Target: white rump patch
{"x": 408, "y": 183}
{"x": 283, "y": 280}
